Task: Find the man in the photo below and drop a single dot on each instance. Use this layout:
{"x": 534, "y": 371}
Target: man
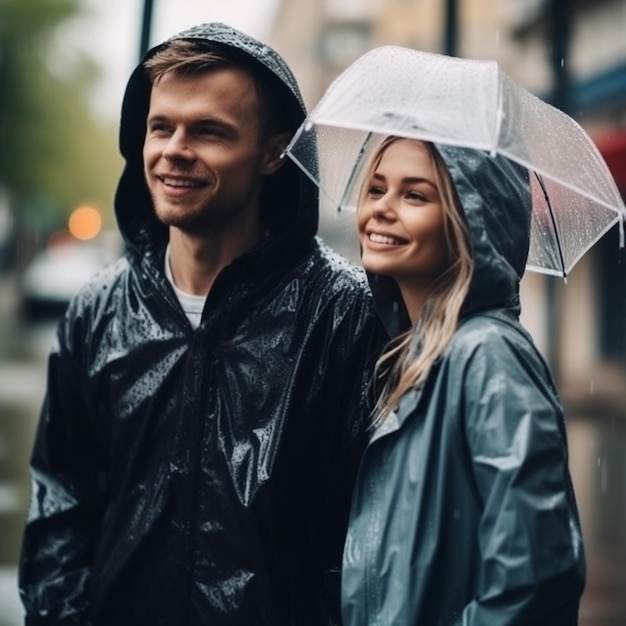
{"x": 205, "y": 405}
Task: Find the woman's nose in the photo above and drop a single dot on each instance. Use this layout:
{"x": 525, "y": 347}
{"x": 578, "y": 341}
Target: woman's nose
{"x": 382, "y": 208}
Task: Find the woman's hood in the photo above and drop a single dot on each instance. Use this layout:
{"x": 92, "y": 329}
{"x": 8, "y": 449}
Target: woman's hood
{"x": 289, "y": 200}
{"x": 495, "y": 196}
{"x": 496, "y": 200}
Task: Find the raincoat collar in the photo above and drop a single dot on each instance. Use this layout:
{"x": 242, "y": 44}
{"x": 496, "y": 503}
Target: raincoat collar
{"x": 289, "y": 198}
{"x": 393, "y": 422}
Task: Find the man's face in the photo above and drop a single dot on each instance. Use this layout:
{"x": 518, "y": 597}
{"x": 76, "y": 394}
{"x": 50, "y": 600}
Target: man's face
{"x": 203, "y": 158}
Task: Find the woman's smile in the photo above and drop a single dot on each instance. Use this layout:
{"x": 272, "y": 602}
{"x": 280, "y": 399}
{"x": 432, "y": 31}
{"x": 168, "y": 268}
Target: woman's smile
{"x": 385, "y": 239}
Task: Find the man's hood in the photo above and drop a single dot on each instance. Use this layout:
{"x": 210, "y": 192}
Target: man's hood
{"x": 289, "y": 201}
{"x": 495, "y": 196}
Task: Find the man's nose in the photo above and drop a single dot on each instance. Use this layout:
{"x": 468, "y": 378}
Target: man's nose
{"x": 178, "y": 146}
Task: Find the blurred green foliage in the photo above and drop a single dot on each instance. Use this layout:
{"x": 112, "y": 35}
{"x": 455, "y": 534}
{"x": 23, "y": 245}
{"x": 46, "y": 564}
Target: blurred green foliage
{"x": 54, "y": 151}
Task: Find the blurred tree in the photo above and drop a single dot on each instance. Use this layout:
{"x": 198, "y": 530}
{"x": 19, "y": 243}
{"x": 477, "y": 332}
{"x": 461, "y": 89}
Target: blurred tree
{"x": 54, "y": 152}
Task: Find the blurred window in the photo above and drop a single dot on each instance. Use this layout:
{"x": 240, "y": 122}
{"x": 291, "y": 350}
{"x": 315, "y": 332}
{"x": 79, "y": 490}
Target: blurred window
{"x": 612, "y": 273}
{"x": 342, "y": 44}
{"x": 351, "y": 9}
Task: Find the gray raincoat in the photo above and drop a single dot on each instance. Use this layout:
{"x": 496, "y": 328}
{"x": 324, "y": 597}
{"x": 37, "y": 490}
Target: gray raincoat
{"x": 464, "y": 512}
{"x": 185, "y": 477}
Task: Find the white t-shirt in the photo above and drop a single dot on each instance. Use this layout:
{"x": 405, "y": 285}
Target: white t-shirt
{"x": 192, "y": 304}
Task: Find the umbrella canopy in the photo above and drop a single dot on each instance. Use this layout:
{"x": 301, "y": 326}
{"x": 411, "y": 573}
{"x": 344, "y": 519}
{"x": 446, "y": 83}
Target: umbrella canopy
{"x": 447, "y": 100}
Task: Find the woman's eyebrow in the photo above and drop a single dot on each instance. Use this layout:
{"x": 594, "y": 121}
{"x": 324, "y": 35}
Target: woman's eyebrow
{"x": 408, "y": 179}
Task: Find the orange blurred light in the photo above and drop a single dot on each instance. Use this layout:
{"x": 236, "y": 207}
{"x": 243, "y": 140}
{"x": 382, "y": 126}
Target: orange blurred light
{"x": 85, "y": 222}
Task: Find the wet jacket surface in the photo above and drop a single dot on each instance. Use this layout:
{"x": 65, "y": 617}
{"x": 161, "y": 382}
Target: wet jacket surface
{"x": 185, "y": 477}
{"x": 464, "y": 512}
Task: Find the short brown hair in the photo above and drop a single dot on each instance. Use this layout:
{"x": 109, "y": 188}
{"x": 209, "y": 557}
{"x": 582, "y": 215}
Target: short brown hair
{"x": 189, "y": 57}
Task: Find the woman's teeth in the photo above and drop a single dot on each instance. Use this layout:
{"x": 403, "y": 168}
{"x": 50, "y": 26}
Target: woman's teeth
{"x": 376, "y": 238}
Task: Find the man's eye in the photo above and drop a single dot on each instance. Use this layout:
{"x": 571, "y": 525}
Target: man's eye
{"x": 209, "y": 131}
{"x": 158, "y": 128}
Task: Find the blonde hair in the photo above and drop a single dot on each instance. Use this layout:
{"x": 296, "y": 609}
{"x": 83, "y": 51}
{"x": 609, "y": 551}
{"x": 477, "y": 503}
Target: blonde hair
{"x": 407, "y": 364}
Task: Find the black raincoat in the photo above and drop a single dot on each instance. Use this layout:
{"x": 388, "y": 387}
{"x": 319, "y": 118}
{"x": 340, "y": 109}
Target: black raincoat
{"x": 464, "y": 513}
{"x": 187, "y": 477}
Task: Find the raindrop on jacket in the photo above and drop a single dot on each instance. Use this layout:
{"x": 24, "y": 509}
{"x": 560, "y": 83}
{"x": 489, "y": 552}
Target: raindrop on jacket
{"x": 463, "y": 512}
{"x": 185, "y": 477}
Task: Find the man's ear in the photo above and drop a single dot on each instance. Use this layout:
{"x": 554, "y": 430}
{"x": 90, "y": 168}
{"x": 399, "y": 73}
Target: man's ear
{"x": 274, "y": 148}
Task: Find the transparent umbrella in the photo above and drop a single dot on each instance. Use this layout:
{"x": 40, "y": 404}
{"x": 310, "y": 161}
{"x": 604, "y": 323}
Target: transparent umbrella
{"x": 447, "y": 100}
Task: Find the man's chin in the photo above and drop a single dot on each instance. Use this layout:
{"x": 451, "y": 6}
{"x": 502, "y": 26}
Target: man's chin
{"x": 192, "y": 225}
{"x": 176, "y": 217}
{"x": 201, "y": 221}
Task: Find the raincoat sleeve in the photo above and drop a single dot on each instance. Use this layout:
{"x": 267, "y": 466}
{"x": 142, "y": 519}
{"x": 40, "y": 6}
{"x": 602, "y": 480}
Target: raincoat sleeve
{"x": 66, "y": 499}
{"x": 530, "y": 546}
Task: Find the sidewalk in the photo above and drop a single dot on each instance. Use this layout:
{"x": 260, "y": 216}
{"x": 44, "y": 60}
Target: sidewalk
{"x": 11, "y": 613}
{"x": 19, "y": 383}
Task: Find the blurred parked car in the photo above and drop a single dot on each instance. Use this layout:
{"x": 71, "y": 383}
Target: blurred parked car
{"x": 56, "y": 273}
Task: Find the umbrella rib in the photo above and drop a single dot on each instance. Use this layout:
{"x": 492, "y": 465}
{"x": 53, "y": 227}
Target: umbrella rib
{"x": 348, "y": 186}
{"x": 553, "y": 220}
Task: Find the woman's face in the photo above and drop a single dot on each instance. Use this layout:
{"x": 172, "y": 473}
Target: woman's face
{"x": 401, "y": 218}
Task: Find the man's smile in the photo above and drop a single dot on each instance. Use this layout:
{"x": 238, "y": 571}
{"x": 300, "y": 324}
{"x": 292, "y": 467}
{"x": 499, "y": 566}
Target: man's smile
{"x": 181, "y": 182}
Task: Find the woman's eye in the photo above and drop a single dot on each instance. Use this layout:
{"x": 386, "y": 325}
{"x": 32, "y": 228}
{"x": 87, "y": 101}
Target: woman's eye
{"x": 415, "y": 196}
{"x": 376, "y": 192}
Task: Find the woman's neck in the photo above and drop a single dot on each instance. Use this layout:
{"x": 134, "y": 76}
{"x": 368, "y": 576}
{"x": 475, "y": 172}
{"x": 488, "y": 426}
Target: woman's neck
{"x": 415, "y": 296}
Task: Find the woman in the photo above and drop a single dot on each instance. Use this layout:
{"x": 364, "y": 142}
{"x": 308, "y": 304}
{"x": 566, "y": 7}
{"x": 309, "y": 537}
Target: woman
{"x": 463, "y": 511}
